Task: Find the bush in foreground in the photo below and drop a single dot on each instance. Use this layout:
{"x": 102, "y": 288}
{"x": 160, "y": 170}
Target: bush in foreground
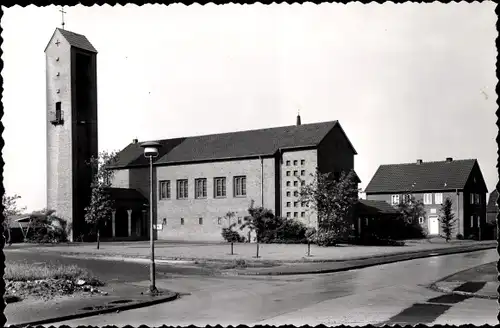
{"x": 232, "y": 236}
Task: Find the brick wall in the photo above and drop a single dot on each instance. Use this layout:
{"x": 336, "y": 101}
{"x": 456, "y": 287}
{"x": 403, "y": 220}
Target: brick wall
{"x": 209, "y": 208}
{"x": 59, "y": 152}
{"x": 433, "y": 209}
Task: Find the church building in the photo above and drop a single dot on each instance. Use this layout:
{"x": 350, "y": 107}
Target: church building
{"x": 197, "y": 179}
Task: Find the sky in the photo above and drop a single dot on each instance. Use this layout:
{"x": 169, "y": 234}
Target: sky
{"x": 406, "y": 81}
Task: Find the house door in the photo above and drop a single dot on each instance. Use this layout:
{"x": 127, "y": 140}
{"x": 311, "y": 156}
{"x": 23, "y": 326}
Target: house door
{"x": 433, "y": 225}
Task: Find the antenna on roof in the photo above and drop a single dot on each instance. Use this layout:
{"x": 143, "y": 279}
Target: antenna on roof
{"x": 62, "y": 16}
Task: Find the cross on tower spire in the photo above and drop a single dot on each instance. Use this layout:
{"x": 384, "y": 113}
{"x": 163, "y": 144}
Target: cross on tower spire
{"x": 62, "y": 16}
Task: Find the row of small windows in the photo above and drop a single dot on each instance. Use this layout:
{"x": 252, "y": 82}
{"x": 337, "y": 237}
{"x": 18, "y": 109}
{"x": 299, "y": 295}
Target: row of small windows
{"x": 295, "y": 214}
{"x": 295, "y": 204}
{"x": 200, "y": 221}
{"x": 296, "y": 162}
{"x": 438, "y": 198}
{"x": 295, "y": 193}
{"x": 296, "y": 173}
{"x": 200, "y": 188}
{"x": 295, "y": 183}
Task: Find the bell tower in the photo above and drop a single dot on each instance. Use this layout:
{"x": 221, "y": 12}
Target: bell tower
{"x": 71, "y": 94}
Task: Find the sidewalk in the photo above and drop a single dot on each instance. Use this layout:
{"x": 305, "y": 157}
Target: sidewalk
{"x": 120, "y": 297}
{"x": 478, "y": 282}
{"x": 277, "y": 253}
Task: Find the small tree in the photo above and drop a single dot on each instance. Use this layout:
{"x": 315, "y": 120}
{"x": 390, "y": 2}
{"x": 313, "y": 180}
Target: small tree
{"x": 259, "y": 221}
{"x": 411, "y": 210}
{"x": 333, "y": 198}
{"x": 101, "y": 205}
{"x": 10, "y": 208}
{"x": 447, "y": 219}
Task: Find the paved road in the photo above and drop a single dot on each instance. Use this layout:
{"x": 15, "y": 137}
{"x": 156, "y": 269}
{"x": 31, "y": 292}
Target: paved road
{"x": 392, "y": 293}
{"x": 108, "y": 271}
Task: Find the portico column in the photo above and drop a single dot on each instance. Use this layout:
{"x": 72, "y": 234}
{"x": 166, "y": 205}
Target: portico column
{"x": 129, "y": 212}
{"x": 113, "y": 223}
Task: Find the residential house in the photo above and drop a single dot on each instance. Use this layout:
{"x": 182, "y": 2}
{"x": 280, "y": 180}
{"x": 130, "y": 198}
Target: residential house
{"x": 433, "y": 182}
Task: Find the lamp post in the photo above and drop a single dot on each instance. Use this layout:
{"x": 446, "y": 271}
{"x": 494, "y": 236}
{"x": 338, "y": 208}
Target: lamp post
{"x": 151, "y": 151}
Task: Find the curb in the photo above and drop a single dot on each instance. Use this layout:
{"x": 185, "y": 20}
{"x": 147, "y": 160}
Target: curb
{"x": 173, "y": 296}
{"x": 445, "y": 290}
{"x": 190, "y": 260}
{"x": 381, "y": 261}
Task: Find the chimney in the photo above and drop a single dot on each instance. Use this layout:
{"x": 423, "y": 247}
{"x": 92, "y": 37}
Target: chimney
{"x": 134, "y": 141}
{"x": 419, "y": 161}
{"x": 298, "y": 118}
{"x": 449, "y": 159}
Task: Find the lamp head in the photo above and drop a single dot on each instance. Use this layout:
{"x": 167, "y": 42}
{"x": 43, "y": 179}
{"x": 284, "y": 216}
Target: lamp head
{"x": 150, "y": 148}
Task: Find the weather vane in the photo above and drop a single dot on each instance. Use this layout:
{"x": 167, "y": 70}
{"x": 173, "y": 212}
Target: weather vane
{"x": 62, "y": 16}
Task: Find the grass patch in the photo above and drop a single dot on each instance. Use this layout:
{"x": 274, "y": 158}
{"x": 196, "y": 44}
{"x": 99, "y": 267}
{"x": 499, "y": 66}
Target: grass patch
{"x": 235, "y": 264}
{"x": 30, "y": 272}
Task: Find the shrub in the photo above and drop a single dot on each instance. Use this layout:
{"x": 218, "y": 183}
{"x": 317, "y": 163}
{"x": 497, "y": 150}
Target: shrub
{"x": 47, "y": 228}
{"x": 290, "y": 232}
{"x": 326, "y": 238}
{"x": 371, "y": 239}
{"x": 460, "y": 236}
{"x": 472, "y": 237}
{"x": 232, "y": 236}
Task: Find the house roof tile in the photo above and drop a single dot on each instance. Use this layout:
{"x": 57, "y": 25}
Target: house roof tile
{"x": 442, "y": 175}
{"x": 492, "y": 206}
{"x": 374, "y": 207}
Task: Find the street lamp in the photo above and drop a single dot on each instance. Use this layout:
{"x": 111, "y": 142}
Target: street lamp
{"x": 151, "y": 151}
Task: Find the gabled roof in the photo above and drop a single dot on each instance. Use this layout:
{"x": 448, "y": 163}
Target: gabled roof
{"x": 442, "y": 175}
{"x": 232, "y": 145}
{"x": 76, "y": 40}
{"x": 374, "y": 207}
{"x": 492, "y": 202}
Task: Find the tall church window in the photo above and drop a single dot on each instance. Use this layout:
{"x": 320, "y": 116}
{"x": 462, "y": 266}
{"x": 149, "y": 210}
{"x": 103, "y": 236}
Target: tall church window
{"x": 200, "y": 186}
{"x": 219, "y": 187}
{"x": 165, "y": 189}
{"x": 240, "y": 186}
{"x": 182, "y": 189}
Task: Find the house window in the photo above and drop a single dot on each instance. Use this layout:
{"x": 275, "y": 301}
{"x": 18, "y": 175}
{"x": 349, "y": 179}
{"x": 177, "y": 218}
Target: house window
{"x": 478, "y": 221}
{"x": 295, "y": 214}
{"x": 182, "y": 221}
{"x": 288, "y": 183}
{"x": 302, "y": 183}
{"x": 478, "y": 199}
{"x": 296, "y": 173}
{"x": 288, "y": 204}
{"x": 302, "y": 162}
{"x": 296, "y": 193}
{"x": 302, "y": 214}
{"x": 182, "y": 189}
{"x": 200, "y": 221}
{"x": 472, "y": 198}
{"x": 295, "y": 204}
{"x": 303, "y": 172}
{"x": 219, "y": 187}
{"x": 366, "y": 221}
{"x": 287, "y": 163}
{"x": 58, "y": 111}
{"x": 288, "y": 194}
{"x": 427, "y": 199}
{"x": 288, "y": 214}
{"x": 219, "y": 220}
{"x": 239, "y": 220}
{"x": 295, "y": 183}
{"x": 395, "y": 199}
{"x": 421, "y": 220}
{"x": 287, "y": 173}
{"x": 200, "y": 186}
{"x": 407, "y": 198}
{"x": 240, "y": 186}
{"x": 438, "y": 198}
{"x": 295, "y": 162}
{"x": 472, "y": 221}
{"x": 165, "y": 189}
{"x": 303, "y": 204}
